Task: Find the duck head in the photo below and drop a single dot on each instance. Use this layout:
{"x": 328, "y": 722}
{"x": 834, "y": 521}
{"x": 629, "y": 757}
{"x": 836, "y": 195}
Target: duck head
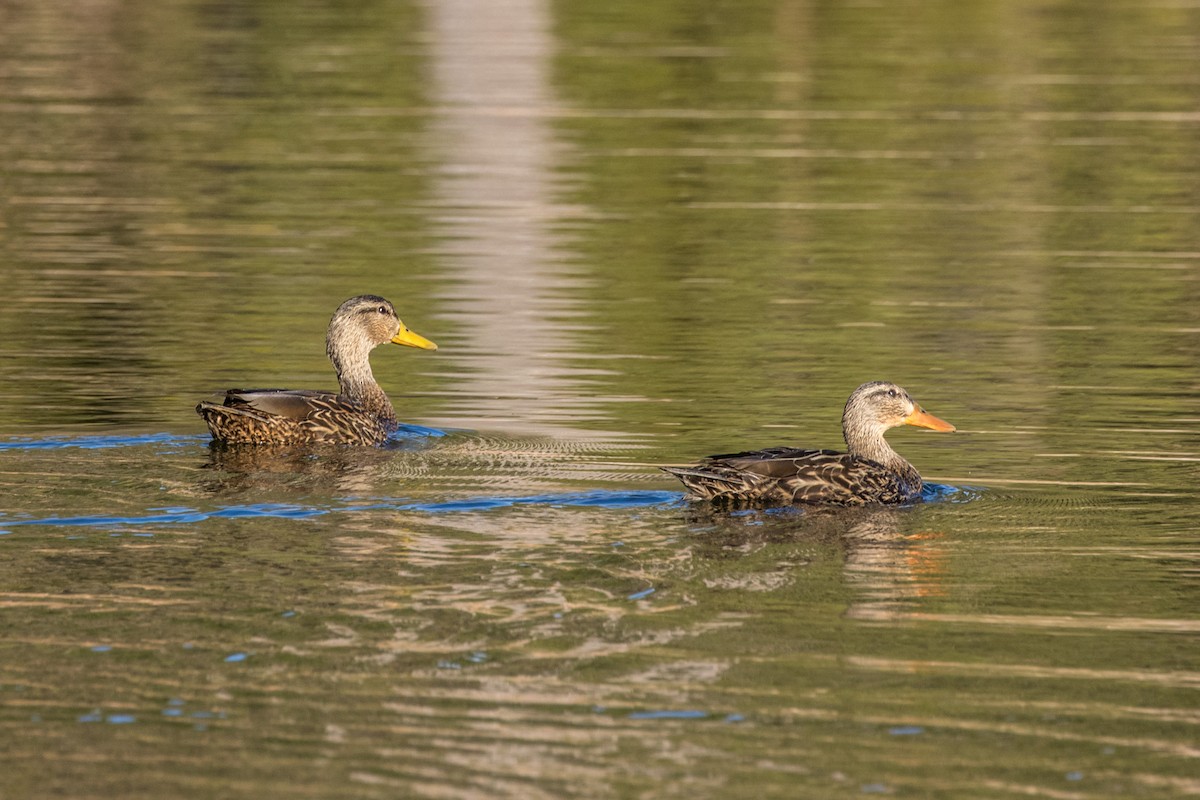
{"x": 879, "y": 405}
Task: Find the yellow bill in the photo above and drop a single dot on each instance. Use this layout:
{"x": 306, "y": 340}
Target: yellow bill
{"x": 412, "y": 339}
{"x": 923, "y": 419}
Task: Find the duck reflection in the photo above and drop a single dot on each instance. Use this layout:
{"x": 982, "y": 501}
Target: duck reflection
{"x": 332, "y": 469}
{"x": 887, "y": 564}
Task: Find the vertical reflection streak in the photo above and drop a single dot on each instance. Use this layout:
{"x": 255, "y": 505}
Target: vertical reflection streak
{"x": 511, "y": 297}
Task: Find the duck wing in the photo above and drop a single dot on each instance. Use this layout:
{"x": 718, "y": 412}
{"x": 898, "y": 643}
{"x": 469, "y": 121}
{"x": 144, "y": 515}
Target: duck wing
{"x": 788, "y": 475}
{"x": 297, "y": 404}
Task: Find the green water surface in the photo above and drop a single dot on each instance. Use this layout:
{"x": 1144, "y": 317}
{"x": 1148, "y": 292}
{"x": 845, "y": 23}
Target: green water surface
{"x": 640, "y": 232}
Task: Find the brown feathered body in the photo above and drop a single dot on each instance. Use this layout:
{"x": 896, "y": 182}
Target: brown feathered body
{"x": 360, "y": 413}
{"x": 789, "y": 475}
{"x": 871, "y": 472}
{"x": 293, "y": 416}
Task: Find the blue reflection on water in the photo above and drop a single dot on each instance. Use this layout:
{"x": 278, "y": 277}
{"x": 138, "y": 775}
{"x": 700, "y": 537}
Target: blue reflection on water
{"x": 682, "y": 714}
{"x": 595, "y": 499}
{"x": 945, "y": 493}
{"x": 183, "y": 515}
{"x": 906, "y": 730}
{"x": 179, "y": 515}
{"x": 410, "y": 431}
{"x": 98, "y": 442}
{"x": 112, "y": 719}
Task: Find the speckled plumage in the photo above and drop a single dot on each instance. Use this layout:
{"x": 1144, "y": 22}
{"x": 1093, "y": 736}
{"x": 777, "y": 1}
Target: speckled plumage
{"x": 360, "y": 413}
{"x": 871, "y": 472}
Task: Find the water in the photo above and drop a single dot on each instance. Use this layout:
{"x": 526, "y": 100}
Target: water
{"x": 640, "y": 233}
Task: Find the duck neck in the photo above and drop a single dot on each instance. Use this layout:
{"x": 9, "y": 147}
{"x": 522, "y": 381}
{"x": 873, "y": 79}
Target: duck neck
{"x": 868, "y": 442}
{"x": 356, "y": 382}
{"x": 361, "y": 389}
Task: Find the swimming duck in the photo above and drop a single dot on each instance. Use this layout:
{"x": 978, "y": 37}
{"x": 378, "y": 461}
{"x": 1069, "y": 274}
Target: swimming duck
{"x": 360, "y": 413}
{"x": 871, "y": 472}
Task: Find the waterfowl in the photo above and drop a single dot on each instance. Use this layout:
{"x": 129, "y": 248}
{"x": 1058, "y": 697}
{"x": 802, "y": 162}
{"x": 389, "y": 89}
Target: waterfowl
{"x": 870, "y": 472}
{"x": 359, "y": 413}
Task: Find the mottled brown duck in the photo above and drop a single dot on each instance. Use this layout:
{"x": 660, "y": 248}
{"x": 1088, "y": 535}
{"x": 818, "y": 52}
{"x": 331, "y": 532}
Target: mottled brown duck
{"x": 871, "y": 472}
{"x": 359, "y": 413}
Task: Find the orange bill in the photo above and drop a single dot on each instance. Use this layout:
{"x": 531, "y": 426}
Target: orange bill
{"x": 412, "y": 339}
{"x": 923, "y": 419}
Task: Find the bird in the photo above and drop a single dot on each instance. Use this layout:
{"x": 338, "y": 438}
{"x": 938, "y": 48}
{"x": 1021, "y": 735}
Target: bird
{"x": 870, "y": 472}
{"x": 358, "y": 413}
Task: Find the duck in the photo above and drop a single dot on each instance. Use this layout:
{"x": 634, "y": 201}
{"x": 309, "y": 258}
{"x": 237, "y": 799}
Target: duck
{"x": 870, "y": 472}
{"x": 359, "y": 413}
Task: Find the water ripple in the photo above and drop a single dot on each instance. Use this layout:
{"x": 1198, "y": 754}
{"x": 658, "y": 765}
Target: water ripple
{"x": 597, "y": 498}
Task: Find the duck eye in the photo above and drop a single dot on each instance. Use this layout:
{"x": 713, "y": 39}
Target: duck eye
{"x": 891, "y": 392}
{"x": 383, "y": 310}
